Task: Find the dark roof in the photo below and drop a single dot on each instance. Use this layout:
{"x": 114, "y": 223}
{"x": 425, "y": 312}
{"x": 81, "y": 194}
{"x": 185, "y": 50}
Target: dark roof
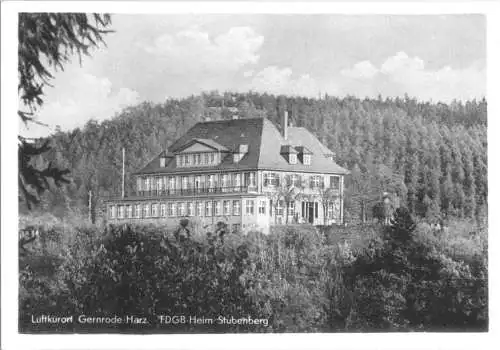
{"x": 264, "y": 147}
{"x": 303, "y": 150}
{"x": 287, "y": 149}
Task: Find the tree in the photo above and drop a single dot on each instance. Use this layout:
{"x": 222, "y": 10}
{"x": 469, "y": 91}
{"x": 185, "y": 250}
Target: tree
{"x": 365, "y": 189}
{"x": 285, "y": 192}
{"x": 327, "y": 195}
{"x": 47, "y": 41}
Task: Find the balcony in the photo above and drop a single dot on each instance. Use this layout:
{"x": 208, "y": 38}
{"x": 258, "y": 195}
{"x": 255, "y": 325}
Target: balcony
{"x": 197, "y": 191}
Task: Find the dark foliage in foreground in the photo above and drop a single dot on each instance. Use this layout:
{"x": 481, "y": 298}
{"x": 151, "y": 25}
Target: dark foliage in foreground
{"x": 297, "y": 278}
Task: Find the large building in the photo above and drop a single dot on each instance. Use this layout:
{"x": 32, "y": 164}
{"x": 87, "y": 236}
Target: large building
{"x": 244, "y": 172}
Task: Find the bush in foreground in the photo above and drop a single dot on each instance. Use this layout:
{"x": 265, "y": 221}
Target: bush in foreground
{"x": 300, "y": 281}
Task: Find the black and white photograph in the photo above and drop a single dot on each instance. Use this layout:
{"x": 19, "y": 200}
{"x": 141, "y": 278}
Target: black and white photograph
{"x": 249, "y": 172}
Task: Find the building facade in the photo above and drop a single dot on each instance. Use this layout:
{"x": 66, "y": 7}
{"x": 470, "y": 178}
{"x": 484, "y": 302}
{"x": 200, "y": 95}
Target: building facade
{"x": 243, "y": 172}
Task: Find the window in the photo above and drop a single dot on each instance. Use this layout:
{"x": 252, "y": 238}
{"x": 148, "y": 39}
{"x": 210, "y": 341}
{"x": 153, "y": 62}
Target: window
{"x": 330, "y": 210}
{"x": 154, "y": 210}
{"x": 251, "y": 179}
{"x": 179, "y": 160}
{"x": 198, "y": 159}
{"x": 295, "y": 180}
{"x": 316, "y": 181}
{"x": 227, "y": 208}
{"x": 159, "y": 184}
{"x": 335, "y": 182}
{"x": 147, "y": 183}
{"x": 129, "y": 211}
{"x": 182, "y": 209}
{"x": 187, "y": 159}
{"x": 190, "y": 209}
{"x": 211, "y": 181}
{"x": 208, "y": 208}
{"x": 236, "y": 207}
{"x": 271, "y": 179}
{"x": 184, "y": 182}
{"x": 206, "y": 159}
{"x": 212, "y": 158}
{"x": 137, "y": 210}
{"x": 203, "y": 180}
{"x": 262, "y": 207}
{"x": 145, "y": 211}
{"x": 217, "y": 208}
{"x": 121, "y": 211}
{"x": 171, "y": 183}
{"x": 267, "y": 179}
{"x": 307, "y": 159}
{"x": 292, "y": 157}
{"x": 163, "y": 210}
{"x": 225, "y": 180}
{"x": 236, "y": 228}
{"x": 279, "y": 208}
{"x": 291, "y": 208}
{"x": 139, "y": 183}
{"x": 199, "y": 209}
{"x": 112, "y": 212}
{"x": 237, "y": 180}
{"x": 249, "y": 206}
{"x": 171, "y": 209}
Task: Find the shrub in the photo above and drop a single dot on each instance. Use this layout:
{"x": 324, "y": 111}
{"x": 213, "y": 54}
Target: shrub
{"x": 403, "y": 283}
{"x": 336, "y": 279}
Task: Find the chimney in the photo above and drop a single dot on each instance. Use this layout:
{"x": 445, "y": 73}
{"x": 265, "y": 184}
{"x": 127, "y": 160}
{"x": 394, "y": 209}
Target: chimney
{"x": 284, "y": 125}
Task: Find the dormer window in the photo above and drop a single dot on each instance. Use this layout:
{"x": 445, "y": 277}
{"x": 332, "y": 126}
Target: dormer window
{"x": 304, "y": 155}
{"x": 163, "y": 159}
{"x": 240, "y": 153}
{"x": 307, "y": 159}
{"x": 289, "y": 153}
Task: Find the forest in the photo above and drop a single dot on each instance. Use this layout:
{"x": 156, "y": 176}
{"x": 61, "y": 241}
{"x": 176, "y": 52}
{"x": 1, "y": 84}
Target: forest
{"x": 408, "y": 276}
{"x": 433, "y": 154}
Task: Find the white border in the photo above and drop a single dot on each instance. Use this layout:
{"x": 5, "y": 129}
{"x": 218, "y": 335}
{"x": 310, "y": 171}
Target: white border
{"x": 9, "y": 121}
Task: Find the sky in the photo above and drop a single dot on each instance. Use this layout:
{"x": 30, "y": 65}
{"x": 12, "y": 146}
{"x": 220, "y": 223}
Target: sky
{"x": 155, "y": 57}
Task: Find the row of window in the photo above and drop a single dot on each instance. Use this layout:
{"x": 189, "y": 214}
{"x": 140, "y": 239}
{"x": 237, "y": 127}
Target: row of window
{"x": 201, "y": 181}
{"x": 197, "y": 159}
{"x": 212, "y": 208}
{"x": 227, "y": 180}
{"x": 292, "y": 159}
{"x": 315, "y": 181}
{"x": 180, "y": 209}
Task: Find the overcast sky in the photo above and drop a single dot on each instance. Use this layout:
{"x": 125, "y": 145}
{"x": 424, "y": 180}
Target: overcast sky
{"x": 151, "y": 58}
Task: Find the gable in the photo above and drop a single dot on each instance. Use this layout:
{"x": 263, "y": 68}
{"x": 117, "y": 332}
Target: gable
{"x": 197, "y": 147}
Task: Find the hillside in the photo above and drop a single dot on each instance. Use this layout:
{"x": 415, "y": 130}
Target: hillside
{"x": 439, "y": 151}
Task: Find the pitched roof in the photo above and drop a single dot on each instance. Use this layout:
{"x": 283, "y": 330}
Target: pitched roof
{"x": 264, "y": 147}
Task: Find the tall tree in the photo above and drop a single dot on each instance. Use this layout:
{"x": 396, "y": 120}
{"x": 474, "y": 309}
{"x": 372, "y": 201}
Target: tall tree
{"x": 47, "y": 41}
